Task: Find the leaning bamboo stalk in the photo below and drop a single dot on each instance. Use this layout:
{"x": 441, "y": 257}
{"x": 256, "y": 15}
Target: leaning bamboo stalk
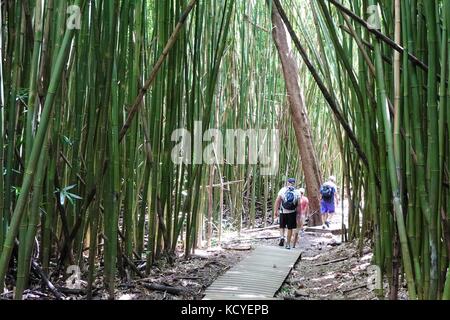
{"x": 379, "y": 34}
{"x": 171, "y": 42}
{"x": 24, "y": 261}
{"x": 359, "y": 43}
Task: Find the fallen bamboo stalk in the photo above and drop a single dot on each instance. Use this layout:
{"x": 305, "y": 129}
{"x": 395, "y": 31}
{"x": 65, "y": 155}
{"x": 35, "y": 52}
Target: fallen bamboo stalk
{"x": 331, "y": 261}
{"x": 128, "y": 260}
{"x": 299, "y": 293}
{"x": 72, "y": 291}
{"x": 133, "y": 266}
{"x": 252, "y": 239}
{"x": 217, "y": 185}
{"x": 260, "y": 229}
{"x": 38, "y": 271}
{"x": 171, "y": 290}
{"x": 188, "y": 278}
{"x": 355, "y": 288}
{"x": 246, "y": 248}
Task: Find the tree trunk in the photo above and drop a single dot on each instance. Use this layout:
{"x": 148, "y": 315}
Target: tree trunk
{"x": 299, "y": 116}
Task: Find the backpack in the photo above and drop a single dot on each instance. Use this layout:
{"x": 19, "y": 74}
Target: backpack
{"x": 290, "y": 199}
{"x": 327, "y": 192}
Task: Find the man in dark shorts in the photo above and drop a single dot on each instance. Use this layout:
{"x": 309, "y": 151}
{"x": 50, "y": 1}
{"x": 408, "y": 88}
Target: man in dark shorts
{"x": 286, "y": 208}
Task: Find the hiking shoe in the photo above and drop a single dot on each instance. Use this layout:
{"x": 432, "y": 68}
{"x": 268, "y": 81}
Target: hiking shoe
{"x": 281, "y": 244}
{"x": 288, "y": 247}
{"x": 328, "y": 224}
{"x": 323, "y": 226}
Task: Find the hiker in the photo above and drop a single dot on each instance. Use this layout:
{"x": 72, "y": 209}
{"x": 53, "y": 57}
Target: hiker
{"x": 302, "y": 214}
{"x": 329, "y": 200}
{"x": 286, "y": 208}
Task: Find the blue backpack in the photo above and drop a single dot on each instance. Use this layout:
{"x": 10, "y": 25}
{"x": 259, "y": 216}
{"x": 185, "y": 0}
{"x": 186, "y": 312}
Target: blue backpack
{"x": 290, "y": 199}
{"x": 327, "y": 192}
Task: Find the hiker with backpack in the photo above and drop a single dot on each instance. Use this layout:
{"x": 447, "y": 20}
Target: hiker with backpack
{"x": 286, "y": 209}
{"x": 329, "y": 196}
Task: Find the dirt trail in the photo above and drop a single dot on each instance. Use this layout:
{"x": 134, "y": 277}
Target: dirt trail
{"x": 329, "y": 269}
{"x": 329, "y": 272}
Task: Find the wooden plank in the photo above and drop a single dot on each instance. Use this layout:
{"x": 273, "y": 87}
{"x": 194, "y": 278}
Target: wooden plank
{"x": 246, "y": 285}
{"x": 243, "y": 286}
{"x": 261, "y": 281}
{"x": 258, "y": 277}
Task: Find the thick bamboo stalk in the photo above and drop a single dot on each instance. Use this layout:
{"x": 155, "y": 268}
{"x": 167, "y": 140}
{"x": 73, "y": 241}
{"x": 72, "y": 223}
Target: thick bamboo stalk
{"x": 392, "y": 174}
{"x": 37, "y": 148}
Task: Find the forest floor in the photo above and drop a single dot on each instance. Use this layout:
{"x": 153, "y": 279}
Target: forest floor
{"x": 333, "y": 270}
{"x": 328, "y": 270}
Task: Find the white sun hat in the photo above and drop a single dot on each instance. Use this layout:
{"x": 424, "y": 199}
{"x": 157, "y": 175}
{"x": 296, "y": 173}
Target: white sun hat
{"x": 332, "y": 178}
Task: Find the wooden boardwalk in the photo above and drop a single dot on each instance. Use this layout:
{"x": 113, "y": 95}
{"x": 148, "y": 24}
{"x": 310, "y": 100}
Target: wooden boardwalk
{"x": 257, "y": 277}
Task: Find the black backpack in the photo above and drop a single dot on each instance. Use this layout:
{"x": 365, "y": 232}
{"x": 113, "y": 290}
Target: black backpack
{"x": 290, "y": 199}
{"x": 327, "y": 192}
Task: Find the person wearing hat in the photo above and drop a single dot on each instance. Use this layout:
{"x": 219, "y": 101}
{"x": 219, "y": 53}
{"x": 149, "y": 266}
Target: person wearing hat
{"x": 286, "y": 209}
{"x": 302, "y": 214}
{"x": 329, "y": 200}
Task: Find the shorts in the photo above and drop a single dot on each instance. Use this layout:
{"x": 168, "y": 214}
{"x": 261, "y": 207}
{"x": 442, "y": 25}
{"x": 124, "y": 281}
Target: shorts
{"x": 288, "y": 220}
{"x": 301, "y": 220}
{"x": 327, "y": 207}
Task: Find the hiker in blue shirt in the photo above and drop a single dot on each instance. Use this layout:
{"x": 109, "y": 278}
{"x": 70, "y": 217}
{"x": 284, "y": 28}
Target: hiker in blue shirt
{"x": 329, "y": 199}
{"x": 286, "y": 208}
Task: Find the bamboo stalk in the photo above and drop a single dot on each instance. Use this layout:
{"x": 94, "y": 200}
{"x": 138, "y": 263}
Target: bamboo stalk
{"x": 37, "y": 147}
{"x": 170, "y": 43}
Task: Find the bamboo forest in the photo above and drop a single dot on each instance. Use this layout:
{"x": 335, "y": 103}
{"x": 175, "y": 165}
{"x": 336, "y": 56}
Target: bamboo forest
{"x": 174, "y": 149}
